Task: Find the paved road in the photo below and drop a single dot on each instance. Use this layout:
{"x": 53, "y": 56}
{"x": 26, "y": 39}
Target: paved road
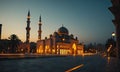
{"x": 93, "y": 63}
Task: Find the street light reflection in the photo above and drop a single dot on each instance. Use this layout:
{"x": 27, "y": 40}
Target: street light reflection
{"x": 108, "y": 59}
{"x": 74, "y": 68}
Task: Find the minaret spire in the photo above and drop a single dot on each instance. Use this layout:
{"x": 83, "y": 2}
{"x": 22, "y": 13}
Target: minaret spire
{"x": 39, "y": 31}
{"x": 29, "y": 13}
{"x": 40, "y": 19}
{"x": 62, "y": 25}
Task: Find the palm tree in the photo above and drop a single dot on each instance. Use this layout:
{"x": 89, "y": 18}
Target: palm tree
{"x": 14, "y": 42}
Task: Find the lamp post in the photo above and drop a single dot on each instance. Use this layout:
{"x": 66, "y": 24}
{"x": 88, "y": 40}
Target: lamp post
{"x": 113, "y": 35}
{"x": 115, "y": 49}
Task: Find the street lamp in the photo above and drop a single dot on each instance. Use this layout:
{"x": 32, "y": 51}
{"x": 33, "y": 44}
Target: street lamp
{"x": 113, "y": 34}
{"x": 63, "y": 39}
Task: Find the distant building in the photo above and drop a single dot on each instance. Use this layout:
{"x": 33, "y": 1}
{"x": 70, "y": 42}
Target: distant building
{"x": 0, "y": 30}
{"x": 59, "y": 42}
{"x": 5, "y": 46}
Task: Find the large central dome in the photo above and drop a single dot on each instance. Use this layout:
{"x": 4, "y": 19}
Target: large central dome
{"x": 63, "y": 30}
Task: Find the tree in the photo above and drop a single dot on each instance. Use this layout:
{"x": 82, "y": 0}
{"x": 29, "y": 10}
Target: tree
{"x": 14, "y": 42}
{"x": 32, "y": 47}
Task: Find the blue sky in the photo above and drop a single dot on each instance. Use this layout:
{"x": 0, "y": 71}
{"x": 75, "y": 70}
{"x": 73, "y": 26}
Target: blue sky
{"x": 89, "y": 20}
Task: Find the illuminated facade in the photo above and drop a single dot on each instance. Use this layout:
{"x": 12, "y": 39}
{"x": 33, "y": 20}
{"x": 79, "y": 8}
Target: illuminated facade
{"x": 59, "y": 42}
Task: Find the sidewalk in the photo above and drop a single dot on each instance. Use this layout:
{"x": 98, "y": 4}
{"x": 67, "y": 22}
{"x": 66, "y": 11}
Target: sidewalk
{"x": 113, "y": 64}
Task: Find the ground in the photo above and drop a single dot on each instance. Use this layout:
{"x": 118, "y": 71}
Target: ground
{"x": 92, "y": 63}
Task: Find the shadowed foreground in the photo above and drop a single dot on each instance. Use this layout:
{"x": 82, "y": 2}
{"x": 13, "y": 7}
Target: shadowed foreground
{"x": 94, "y": 63}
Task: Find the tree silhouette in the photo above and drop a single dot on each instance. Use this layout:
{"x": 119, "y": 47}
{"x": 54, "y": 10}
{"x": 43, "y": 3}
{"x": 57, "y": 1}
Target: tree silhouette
{"x": 32, "y": 47}
{"x": 14, "y": 42}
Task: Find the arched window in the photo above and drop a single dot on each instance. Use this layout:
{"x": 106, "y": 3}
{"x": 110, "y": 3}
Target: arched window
{"x": 74, "y": 48}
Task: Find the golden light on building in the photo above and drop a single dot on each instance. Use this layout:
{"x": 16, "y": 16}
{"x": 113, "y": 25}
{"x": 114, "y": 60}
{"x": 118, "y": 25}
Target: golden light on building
{"x": 40, "y": 50}
{"x": 60, "y": 43}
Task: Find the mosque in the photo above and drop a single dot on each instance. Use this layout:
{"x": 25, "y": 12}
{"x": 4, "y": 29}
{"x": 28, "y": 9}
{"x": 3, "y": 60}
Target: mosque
{"x": 60, "y": 42}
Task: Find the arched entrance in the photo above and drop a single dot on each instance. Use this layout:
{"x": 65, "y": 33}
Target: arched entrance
{"x": 47, "y": 49}
{"x": 74, "y": 49}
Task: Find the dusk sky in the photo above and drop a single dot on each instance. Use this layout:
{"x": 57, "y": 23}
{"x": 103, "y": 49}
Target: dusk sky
{"x": 89, "y": 20}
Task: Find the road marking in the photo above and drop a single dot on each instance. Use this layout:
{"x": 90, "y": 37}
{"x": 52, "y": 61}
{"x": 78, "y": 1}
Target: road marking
{"x": 74, "y": 68}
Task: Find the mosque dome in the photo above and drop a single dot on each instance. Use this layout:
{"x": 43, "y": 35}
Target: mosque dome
{"x": 63, "y": 30}
{"x": 55, "y": 34}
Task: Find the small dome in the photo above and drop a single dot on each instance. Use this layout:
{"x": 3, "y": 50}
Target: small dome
{"x": 55, "y": 34}
{"x": 63, "y": 30}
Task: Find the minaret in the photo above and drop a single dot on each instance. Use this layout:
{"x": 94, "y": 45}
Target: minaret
{"x": 39, "y": 31}
{"x": 28, "y": 28}
{"x": 115, "y": 9}
{"x": 28, "y": 33}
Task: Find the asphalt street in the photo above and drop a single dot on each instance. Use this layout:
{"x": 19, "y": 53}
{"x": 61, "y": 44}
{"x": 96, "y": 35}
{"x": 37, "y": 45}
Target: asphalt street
{"x": 93, "y": 63}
